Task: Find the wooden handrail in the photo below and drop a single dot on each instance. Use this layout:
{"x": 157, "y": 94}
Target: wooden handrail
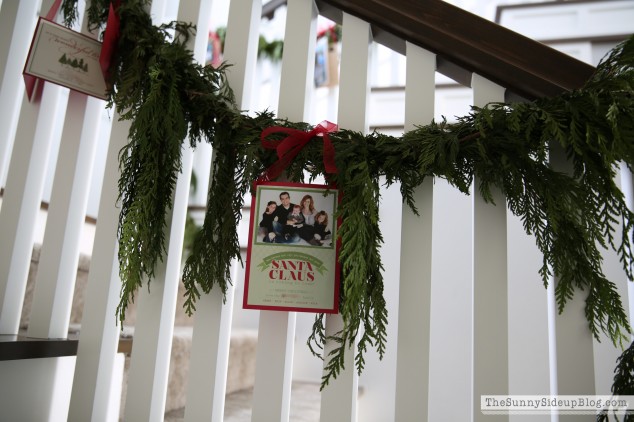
{"x": 465, "y": 43}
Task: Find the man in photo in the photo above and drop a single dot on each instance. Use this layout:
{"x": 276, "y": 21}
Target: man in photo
{"x": 280, "y": 218}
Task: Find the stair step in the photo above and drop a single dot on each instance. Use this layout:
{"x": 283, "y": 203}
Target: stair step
{"x": 240, "y": 372}
{"x": 304, "y": 405}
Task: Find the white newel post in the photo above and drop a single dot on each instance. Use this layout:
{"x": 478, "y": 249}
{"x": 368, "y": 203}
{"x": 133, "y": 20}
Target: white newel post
{"x": 414, "y": 306}
{"x": 276, "y": 331}
{"x": 339, "y": 398}
{"x": 206, "y": 386}
{"x": 490, "y": 291}
{"x": 17, "y": 23}
{"x": 23, "y": 192}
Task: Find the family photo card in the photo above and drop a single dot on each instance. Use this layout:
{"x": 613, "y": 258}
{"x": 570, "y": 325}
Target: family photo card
{"x": 292, "y": 254}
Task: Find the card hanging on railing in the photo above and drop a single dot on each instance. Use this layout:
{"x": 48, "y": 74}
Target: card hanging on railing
{"x": 292, "y": 257}
{"x": 64, "y": 57}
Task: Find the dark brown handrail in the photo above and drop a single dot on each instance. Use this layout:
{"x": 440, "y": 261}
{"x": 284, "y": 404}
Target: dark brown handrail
{"x": 466, "y": 43}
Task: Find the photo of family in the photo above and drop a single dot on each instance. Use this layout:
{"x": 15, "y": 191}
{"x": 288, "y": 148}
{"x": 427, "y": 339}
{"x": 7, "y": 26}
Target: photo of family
{"x": 292, "y": 260}
{"x": 298, "y": 217}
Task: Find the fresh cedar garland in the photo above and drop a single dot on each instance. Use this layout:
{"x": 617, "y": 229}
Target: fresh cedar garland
{"x": 573, "y": 214}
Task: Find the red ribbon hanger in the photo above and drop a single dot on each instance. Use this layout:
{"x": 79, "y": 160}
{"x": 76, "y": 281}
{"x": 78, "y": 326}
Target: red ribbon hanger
{"x": 110, "y": 39}
{"x": 289, "y": 147}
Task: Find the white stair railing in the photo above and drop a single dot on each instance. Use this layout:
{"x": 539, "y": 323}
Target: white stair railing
{"x": 468, "y": 314}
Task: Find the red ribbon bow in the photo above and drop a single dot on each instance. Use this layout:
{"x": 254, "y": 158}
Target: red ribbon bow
{"x": 110, "y": 39}
{"x": 290, "y": 146}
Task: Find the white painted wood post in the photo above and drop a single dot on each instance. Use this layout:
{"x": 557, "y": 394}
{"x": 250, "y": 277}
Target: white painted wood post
{"x": 17, "y": 23}
{"x": 276, "y": 331}
{"x": 98, "y": 340}
{"x": 23, "y": 193}
{"x": 414, "y": 307}
{"x": 574, "y": 341}
{"x": 209, "y": 359}
{"x": 377, "y": 383}
{"x": 154, "y": 328}
{"x": 92, "y": 385}
{"x": 207, "y": 382}
{"x": 241, "y": 47}
{"x": 605, "y": 353}
{"x": 450, "y": 354}
{"x": 490, "y": 291}
{"x": 57, "y": 268}
{"x": 529, "y": 343}
{"x": 339, "y": 398}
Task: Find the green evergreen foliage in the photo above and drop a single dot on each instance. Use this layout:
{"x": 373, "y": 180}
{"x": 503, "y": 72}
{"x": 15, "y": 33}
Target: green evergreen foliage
{"x": 576, "y": 212}
{"x": 623, "y": 383}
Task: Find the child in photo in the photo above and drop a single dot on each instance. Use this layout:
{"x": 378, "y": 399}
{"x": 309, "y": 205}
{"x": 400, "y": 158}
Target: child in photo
{"x": 322, "y": 234}
{"x": 294, "y": 222}
{"x": 265, "y": 231}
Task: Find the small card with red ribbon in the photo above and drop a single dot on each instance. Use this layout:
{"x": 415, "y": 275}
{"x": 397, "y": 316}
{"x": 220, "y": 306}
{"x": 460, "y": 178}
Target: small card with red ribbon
{"x": 64, "y": 57}
{"x": 292, "y": 257}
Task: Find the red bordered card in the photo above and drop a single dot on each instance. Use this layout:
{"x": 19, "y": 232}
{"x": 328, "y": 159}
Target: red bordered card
{"x": 292, "y": 258}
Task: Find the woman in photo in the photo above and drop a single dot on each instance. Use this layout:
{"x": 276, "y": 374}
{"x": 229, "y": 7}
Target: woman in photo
{"x": 308, "y": 211}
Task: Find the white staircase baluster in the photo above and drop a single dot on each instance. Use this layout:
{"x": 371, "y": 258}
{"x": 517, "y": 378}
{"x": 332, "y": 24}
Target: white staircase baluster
{"x": 23, "y": 193}
{"x": 209, "y": 359}
{"x": 605, "y": 353}
{"x": 574, "y": 341}
{"x": 149, "y": 364}
{"x": 529, "y": 343}
{"x": 91, "y": 393}
{"x": 451, "y": 310}
{"x": 17, "y": 23}
{"x": 414, "y": 306}
{"x": 378, "y": 380}
{"x": 59, "y": 257}
{"x": 241, "y": 46}
{"x": 276, "y": 331}
{"x": 451, "y": 331}
{"x": 96, "y": 353}
{"x": 339, "y": 398}
{"x": 154, "y": 328}
{"x": 490, "y": 286}
{"x": 207, "y": 382}
{"x": 274, "y": 363}
{"x": 627, "y": 187}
